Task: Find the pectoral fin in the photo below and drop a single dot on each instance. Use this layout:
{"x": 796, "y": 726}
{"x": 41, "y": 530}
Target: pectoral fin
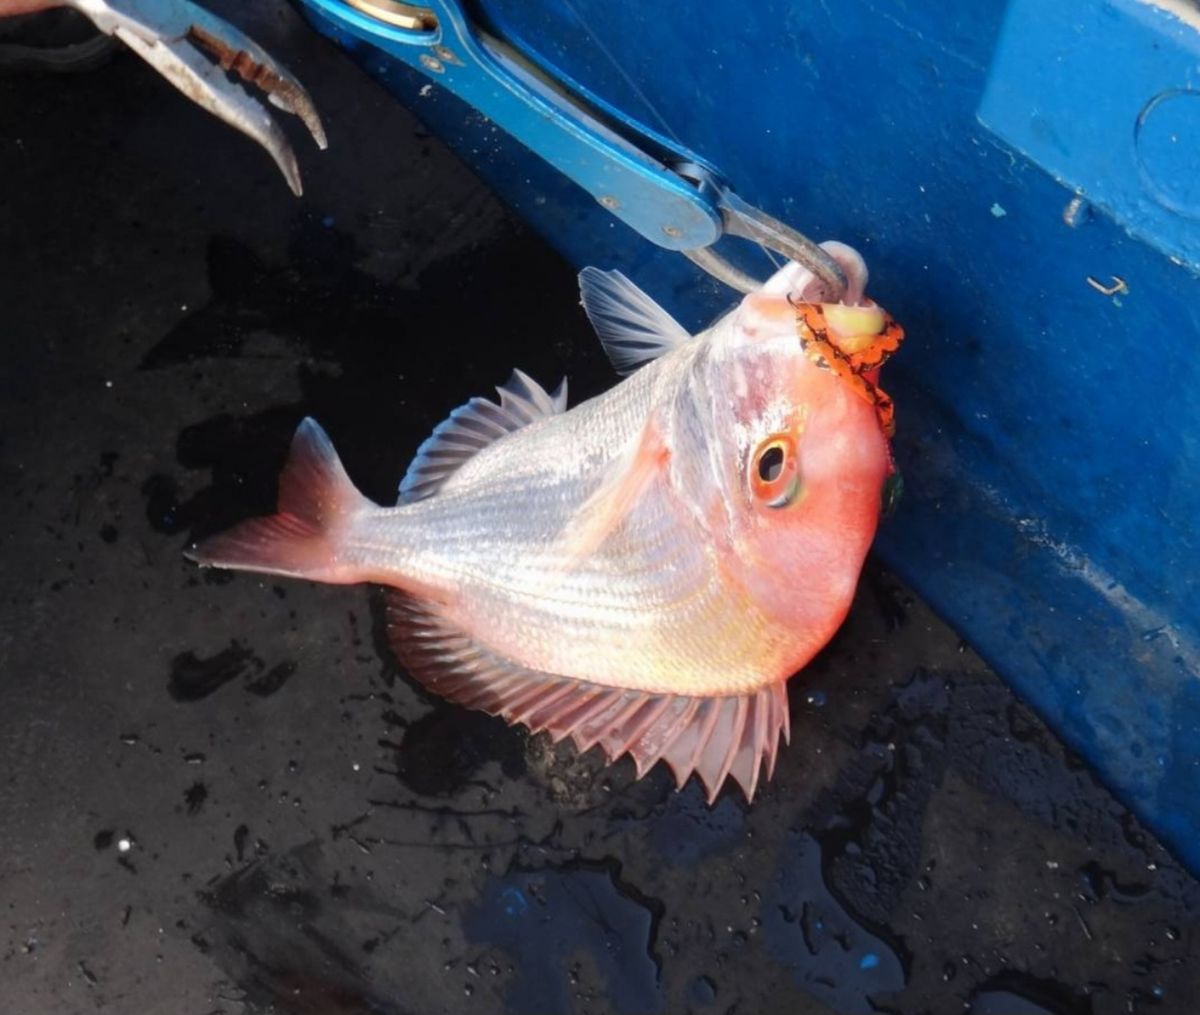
{"x": 628, "y": 477}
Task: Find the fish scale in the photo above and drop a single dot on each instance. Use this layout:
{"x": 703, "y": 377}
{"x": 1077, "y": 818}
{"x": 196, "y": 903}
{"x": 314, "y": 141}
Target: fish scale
{"x": 641, "y": 572}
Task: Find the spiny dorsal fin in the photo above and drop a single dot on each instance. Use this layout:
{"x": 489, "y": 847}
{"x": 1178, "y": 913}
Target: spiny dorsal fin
{"x": 736, "y": 736}
{"x": 633, "y": 328}
{"x": 475, "y": 425}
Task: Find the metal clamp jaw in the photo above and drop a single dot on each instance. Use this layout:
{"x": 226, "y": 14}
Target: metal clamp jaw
{"x": 664, "y": 192}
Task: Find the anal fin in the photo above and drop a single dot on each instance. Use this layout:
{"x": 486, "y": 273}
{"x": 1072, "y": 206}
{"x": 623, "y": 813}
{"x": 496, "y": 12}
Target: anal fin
{"x": 718, "y": 738}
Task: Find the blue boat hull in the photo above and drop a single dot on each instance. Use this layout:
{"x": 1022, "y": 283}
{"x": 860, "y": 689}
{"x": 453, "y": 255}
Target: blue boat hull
{"x": 1046, "y": 428}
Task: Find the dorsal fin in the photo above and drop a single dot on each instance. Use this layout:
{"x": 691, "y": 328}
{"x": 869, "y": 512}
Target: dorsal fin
{"x": 736, "y": 736}
{"x": 633, "y": 328}
{"x": 475, "y": 425}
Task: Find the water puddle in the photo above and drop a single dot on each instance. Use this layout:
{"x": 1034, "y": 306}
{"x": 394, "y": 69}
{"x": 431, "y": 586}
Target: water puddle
{"x": 685, "y": 829}
{"x": 833, "y": 956}
{"x": 545, "y": 920}
{"x": 193, "y": 677}
{"x": 1015, "y": 993}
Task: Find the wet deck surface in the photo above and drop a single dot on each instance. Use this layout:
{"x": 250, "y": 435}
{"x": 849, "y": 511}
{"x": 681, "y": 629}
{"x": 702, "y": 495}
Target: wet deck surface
{"x": 220, "y": 793}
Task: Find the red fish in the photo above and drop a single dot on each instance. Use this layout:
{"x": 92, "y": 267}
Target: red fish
{"x": 645, "y": 570}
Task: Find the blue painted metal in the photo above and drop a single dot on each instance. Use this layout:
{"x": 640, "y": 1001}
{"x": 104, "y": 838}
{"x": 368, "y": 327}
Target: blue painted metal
{"x": 658, "y": 187}
{"x": 1106, "y": 97}
{"x": 630, "y": 181}
{"x": 1046, "y": 431}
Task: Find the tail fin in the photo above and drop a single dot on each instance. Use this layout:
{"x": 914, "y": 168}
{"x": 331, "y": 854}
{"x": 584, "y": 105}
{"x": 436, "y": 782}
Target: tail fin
{"x": 317, "y": 504}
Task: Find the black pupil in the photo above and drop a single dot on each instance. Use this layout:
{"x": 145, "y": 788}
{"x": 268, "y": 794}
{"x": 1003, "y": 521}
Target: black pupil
{"x": 770, "y": 465}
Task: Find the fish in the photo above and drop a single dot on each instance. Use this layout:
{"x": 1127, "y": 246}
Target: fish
{"x": 643, "y": 571}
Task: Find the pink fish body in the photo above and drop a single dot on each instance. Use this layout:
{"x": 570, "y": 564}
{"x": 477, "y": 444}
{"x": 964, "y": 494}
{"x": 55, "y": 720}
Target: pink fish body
{"x": 644, "y": 571}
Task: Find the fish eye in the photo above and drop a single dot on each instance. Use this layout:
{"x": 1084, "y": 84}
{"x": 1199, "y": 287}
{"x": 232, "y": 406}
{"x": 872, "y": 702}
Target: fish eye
{"x": 774, "y": 471}
{"x": 770, "y": 463}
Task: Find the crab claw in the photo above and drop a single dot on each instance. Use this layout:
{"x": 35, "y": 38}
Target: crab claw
{"x": 194, "y": 50}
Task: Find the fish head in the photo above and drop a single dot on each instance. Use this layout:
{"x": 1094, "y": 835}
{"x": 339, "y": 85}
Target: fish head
{"x": 798, "y": 454}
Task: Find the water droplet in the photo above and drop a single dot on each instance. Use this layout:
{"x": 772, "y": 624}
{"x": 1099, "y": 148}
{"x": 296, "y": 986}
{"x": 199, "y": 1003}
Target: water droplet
{"x": 702, "y": 990}
{"x": 816, "y": 698}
